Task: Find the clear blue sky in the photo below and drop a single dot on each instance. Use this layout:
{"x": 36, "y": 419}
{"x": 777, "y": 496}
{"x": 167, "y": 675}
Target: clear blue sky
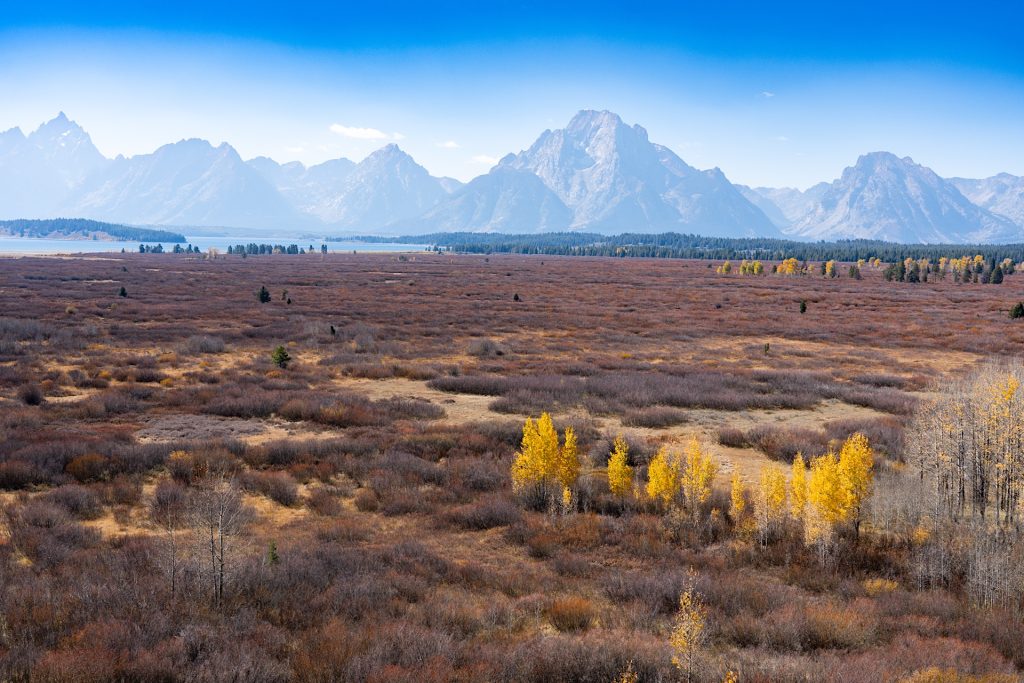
{"x": 772, "y": 94}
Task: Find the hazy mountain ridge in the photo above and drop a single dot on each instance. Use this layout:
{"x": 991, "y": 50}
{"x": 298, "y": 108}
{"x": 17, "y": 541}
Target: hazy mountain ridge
{"x": 885, "y": 197}
{"x": 1002, "y": 194}
{"x": 597, "y": 174}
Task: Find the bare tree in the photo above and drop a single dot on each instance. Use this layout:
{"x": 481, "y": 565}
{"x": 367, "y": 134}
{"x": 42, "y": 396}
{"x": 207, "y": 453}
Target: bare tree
{"x": 217, "y": 516}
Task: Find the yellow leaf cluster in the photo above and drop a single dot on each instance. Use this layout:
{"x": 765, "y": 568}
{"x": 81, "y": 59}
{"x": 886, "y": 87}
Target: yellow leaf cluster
{"x": 663, "y": 477}
{"x": 620, "y": 474}
{"x": 737, "y": 500}
{"x": 540, "y": 461}
{"x": 669, "y": 475}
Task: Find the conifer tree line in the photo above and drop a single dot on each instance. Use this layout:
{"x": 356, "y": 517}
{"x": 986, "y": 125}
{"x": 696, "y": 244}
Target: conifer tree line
{"x": 677, "y": 245}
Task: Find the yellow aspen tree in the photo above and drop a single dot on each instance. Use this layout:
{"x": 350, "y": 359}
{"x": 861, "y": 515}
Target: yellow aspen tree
{"x": 830, "y": 269}
{"x": 662, "y": 477}
{"x": 798, "y": 488}
{"x": 737, "y": 501}
{"x": 827, "y": 502}
{"x": 856, "y": 460}
{"x": 620, "y": 474}
{"x": 537, "y": 462}
{"x": 771, "y": 501}
{"x": 568, "y": 465}
{"x": 526, "y": 468}
{"x": 697, "y": 476}
{"x": 758, "y": 268}
{"x": 548, "y": 437}
{"x": 689, "y": 634}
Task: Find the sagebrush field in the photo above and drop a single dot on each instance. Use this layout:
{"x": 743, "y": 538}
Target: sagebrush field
{"x": 200, "y": 485}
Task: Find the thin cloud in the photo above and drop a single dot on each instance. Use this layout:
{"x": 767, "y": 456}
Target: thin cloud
{"x": 448, "y": 144}
{"x": 484, "y": 159}
{"x": 357, "y": 133}
{"x": 767, "y": 93}
{"x": 781, "y": 138}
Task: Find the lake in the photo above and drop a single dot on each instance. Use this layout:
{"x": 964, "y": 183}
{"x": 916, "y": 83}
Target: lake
{"x": 29, "y": 245}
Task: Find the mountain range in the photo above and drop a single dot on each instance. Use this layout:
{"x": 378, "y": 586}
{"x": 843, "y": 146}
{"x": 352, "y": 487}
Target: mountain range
{"x": 598, "y": 174}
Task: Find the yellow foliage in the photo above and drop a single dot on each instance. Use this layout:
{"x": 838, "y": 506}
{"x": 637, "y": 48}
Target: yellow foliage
{"x": 798, "y": 487}
{"x": 620, "y": 474}
{"x": 663, "y": 477}
{"x": 826, "y": 492}
{"x": 937, "y": 675}
{"x": 789, "y": 267}
{"x": 697, "y": 476}
{"x": 856, "y": 460}
{"x": 736, "y": 499}
{"x": 568, "y": 465}
{"x": 771, "y": 498}
{"x": 540, "y": 461}
{"x": 875, "y": 587}
{"x": 688, "y": 635}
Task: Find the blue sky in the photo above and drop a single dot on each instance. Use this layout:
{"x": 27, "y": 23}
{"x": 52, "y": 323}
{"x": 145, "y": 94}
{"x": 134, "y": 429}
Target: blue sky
{"x": 772, "y": 94}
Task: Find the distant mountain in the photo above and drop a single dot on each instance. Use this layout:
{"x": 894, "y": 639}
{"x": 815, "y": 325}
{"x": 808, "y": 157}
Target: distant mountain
{"x": 503, "y": 200}
{"x": 614, "y": 179}
{"x": 767, "y": 206}
{"x": 308, "y": 190}
{"x": 40, "y": 171}
{"x": 385, "y": 188}
{"x": 1001, "y": 194}
{"x": 186, "y": 183}
{"x": 597, "y": 174}
{"x": 790, "y": 202}
{"x": 888, "y": 198}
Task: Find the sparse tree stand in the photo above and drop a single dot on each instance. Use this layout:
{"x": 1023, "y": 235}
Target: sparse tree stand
{"x": 280, "y": 357}
{"x": 264, "y": 295}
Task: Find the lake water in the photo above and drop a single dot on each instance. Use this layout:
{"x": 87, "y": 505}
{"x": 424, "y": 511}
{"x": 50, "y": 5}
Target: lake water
{"x": 27, "y": 245}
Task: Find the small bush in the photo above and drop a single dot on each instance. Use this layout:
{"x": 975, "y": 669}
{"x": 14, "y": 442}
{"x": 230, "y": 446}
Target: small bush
{"x": 487, "y": 513}
{"x": 280, "y": 487}
{"x": 571, "y": 614}
{"x": 200, "y": 343}
{"x": 30, "y": 394}
{"x": 366, "y": 500}
{"x": 89, "y": 467}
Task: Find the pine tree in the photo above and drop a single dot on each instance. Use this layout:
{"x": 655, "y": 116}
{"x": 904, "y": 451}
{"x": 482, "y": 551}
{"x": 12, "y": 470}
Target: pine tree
{"x": 1017, "y": 311}
{"x": 264, "y": 295}
{"x": 280, "y": 357}
{"x": 620, "y": 474}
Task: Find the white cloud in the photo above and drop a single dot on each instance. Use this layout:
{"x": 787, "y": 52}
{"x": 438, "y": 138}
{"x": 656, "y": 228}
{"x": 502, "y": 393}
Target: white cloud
{"x": 484, "y": 159}
{"x": 767, "y": 93}
{"x": 364, "y": 133}
{"x": 781, "y": 138}
{"x": 448, "y": 144}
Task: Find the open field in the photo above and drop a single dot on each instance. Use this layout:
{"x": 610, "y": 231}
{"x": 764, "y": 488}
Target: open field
{"x": 376, "y": 535}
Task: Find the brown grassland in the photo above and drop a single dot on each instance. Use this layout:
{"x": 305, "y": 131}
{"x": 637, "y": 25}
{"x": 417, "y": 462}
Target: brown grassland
{"x": 350, "y": 517}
